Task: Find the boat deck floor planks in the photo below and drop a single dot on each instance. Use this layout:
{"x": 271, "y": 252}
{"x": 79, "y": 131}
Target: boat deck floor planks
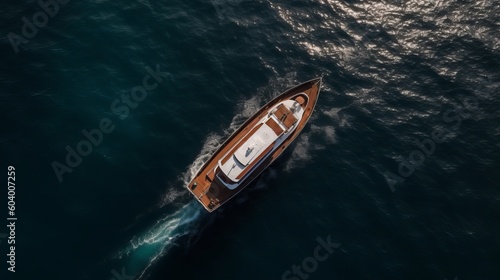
{"x": 284, "y": 115}
{"x": 274, "y": 126}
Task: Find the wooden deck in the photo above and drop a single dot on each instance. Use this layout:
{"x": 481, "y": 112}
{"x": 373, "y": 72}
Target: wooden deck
{"x": 284, "y": 115}
{"x": 208, "y": 189}
{"x": 274, "y": 126}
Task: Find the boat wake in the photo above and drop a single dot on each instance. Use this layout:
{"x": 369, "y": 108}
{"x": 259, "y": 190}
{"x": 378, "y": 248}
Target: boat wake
{"x": 304, "y": 149}
{"x": 212, "y": 143}
{"x": 151, "y": 244}
{"x": 147, "y": 248}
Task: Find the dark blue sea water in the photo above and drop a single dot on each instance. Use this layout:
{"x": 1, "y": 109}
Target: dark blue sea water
{"x": 398, "y": 169}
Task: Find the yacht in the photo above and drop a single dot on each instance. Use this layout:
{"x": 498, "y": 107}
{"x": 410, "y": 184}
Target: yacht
{"x": 254, "y": 145}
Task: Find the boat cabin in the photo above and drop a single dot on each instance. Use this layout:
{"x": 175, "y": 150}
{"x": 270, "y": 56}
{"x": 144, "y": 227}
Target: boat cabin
{"x": 258, "y": 143}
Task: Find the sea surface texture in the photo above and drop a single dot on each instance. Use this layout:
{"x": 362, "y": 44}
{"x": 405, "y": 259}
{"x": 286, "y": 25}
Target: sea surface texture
{"x": 108, "y": 108}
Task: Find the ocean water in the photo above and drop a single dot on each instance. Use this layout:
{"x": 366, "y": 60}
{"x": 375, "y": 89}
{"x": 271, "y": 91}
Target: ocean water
{"x": 398, "y": 168}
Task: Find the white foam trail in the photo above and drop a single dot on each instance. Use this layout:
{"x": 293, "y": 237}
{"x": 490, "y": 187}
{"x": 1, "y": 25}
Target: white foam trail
{"x": 244, "y": 110}
{"x": 150, "y": 245}
{"x": 212, "y": 143}
{"x": 163, "y": 235}
{"x": 156, "y": 241}
{"x": 167, "y": 228}
{"x": 172, "y": 195}
{"x": 301, "y": 154}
